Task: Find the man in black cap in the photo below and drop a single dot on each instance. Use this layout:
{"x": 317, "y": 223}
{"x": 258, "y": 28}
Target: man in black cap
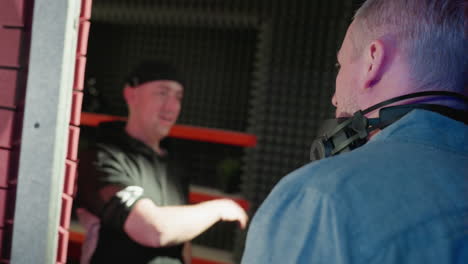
{"x": 130, "y": 195}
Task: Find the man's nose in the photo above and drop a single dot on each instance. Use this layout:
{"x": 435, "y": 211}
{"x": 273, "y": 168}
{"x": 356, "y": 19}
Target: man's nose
{"x": 334, "y": 102}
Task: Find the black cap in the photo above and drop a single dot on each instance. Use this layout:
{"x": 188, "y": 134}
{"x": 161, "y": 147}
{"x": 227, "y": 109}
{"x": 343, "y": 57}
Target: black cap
{"x": 148, "y": 71}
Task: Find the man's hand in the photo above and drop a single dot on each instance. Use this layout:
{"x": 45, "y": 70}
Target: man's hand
{"x": 230, "y": 211}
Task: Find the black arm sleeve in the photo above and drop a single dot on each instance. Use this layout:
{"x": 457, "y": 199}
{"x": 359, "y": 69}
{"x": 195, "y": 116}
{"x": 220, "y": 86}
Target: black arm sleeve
{"x": 116, "y": 211}
{"x": 104, "y": 189}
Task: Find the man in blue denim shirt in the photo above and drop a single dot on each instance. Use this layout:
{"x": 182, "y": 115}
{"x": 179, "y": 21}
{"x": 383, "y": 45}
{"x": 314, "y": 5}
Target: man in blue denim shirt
{"x": 403, "y": 196}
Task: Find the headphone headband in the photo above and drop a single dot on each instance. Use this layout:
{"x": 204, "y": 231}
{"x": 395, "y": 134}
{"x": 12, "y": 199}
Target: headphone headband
{"x": 415, "y": 95}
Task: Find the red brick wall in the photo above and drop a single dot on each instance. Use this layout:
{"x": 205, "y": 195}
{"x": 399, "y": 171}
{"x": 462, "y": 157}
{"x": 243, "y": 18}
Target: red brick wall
{"x": 15, "y": 29}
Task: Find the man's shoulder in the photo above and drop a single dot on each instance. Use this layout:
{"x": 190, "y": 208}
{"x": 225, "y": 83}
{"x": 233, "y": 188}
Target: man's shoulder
{"x": 331, "y": 174}
{"x": 350, "y": 176}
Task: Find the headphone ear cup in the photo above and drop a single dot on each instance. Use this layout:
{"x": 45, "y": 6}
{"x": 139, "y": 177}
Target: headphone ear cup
{"x": 340, "y": 135}
{"x": 322, "y": 146}
{"x": 320, "y": 149}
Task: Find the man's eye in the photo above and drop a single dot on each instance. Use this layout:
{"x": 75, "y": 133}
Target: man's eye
{"x": 337, "y": 65}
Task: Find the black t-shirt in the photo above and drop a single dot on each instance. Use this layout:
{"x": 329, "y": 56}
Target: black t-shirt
{"x": 120, "y": 160}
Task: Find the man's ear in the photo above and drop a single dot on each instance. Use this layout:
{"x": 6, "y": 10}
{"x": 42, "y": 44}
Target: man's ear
{"x": 375, "y": 62}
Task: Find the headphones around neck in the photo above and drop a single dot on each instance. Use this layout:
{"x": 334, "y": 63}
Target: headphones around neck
{"x": 345, "y": 134}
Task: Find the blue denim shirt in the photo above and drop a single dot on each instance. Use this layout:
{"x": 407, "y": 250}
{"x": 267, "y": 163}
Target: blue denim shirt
{"x": 400, "y": 198}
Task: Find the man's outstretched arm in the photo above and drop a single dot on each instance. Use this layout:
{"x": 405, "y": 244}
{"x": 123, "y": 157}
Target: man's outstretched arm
{"x": 155, "y": 226}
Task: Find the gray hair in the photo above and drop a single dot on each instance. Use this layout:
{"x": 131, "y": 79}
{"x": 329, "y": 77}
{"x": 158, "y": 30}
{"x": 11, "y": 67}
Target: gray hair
{"x": 430, "y": 34}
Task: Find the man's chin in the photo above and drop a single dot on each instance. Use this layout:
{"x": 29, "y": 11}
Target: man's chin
{"x": 343, "y": 115}
{"x": 164, "y": 130}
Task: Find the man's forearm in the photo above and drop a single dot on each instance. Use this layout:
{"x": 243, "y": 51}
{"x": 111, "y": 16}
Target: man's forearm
{"x": 155, "y": 226}
{"x": 178, "y": 224}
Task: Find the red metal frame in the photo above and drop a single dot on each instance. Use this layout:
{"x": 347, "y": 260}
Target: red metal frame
{"x": 185, "y": 131}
